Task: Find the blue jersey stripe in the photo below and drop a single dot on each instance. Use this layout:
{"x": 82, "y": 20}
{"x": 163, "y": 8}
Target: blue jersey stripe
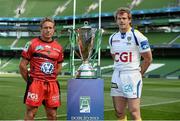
{"x": 135, "y": 38}
{"x": 112, "y": 38}
{"x": 138, "y": 85}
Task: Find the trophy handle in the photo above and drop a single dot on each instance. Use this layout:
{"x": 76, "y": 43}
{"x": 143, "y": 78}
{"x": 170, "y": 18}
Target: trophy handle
{"x": 98, "y": 43}
{"x": 80, "y": 44}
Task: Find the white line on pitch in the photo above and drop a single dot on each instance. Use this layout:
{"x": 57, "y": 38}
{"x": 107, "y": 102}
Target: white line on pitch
{"x": 146, "y": 105}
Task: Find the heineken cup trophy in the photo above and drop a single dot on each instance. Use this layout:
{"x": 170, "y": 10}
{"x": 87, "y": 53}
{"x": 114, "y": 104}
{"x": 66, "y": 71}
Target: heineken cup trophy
{"x": 85, "y": 39}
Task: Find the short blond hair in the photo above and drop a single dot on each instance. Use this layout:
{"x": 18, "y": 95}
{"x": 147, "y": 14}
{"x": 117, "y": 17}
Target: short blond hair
{"x": 123, "y": 10}
{"x": 45, "y": 20}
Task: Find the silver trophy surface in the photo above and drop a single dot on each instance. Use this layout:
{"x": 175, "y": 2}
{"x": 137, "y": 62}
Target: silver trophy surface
{"x": 85, "y": 38}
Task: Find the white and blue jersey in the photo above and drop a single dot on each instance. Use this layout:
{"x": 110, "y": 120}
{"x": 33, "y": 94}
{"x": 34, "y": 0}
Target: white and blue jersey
{"x": 127, "y": 48}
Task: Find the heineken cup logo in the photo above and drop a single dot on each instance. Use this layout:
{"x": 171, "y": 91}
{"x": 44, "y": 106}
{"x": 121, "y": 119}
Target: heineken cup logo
{"x": 85, "y": 104}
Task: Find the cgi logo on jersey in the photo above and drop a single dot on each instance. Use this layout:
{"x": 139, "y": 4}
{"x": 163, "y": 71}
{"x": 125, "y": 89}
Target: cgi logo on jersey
{"x": 32, "y": 96}
{"x": 123, "y": 57}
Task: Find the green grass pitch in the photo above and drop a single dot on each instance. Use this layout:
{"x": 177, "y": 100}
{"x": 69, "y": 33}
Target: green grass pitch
{"x": 160, "y": 99}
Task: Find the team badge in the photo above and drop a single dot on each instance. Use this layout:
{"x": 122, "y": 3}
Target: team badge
{"x": 128, "y": 40}
{"x": 47, "y": 68}
{"x": 48, "y": 52}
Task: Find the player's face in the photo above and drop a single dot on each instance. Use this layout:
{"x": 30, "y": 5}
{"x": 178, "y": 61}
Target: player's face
{"x": 47, "y": 30}
{"x": 123, "y": 21}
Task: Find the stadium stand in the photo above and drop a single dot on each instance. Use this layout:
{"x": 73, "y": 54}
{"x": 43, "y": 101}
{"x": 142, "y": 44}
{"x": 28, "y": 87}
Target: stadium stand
{"x": 159, "y": 21}
{"x": 37, "y": 8}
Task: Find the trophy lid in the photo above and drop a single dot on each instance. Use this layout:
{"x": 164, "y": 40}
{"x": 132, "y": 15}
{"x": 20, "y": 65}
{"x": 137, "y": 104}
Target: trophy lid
{"x": 86, "y": 25}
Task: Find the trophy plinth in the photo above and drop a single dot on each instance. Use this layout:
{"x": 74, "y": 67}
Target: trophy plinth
{"x": 85, "y": 38}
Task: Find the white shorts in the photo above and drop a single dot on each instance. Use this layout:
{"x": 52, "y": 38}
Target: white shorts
{"x": 126, "y": 84}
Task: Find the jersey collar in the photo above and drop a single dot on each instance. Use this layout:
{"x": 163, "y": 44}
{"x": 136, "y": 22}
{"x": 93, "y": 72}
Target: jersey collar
{"x": 45, "y": 41}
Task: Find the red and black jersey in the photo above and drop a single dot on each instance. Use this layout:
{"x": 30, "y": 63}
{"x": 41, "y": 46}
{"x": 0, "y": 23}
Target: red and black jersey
{"x": 44, "y": 58}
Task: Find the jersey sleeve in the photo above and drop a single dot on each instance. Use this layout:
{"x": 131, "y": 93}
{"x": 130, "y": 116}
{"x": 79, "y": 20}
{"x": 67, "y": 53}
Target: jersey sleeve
{"x": 110, "y": 43}
{"x": 143, "y": 42}
{"x": 27, "y": 51}
{"x": 61, "y": 56}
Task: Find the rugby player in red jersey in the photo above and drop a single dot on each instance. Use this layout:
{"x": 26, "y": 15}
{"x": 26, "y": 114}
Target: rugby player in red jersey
{"x": 45, "y": 57}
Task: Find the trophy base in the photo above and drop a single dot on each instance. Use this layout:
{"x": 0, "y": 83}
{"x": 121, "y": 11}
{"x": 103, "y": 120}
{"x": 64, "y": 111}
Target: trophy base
{"x": 86, "y": 71}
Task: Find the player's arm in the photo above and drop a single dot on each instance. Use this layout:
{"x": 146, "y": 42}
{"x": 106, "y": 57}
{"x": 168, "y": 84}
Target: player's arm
{"x": 59, "y": 68}
{"x": 113, "y": 56}
{"x": 24, "y": 69}
{"x": 147, "y": 59}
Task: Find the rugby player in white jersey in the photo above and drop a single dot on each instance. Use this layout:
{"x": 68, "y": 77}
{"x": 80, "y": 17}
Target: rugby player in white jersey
{"x": 127, "y": 46}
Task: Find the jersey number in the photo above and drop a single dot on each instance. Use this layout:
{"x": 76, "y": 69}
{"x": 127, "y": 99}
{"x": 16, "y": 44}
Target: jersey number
{"x": 123, "y": 57}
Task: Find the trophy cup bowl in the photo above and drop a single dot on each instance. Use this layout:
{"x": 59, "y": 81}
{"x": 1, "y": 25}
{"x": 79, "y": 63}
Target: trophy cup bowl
{"x": 85, "y": 38}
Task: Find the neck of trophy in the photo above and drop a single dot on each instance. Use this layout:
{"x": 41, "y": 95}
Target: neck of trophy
{"x": 85, "y": 62}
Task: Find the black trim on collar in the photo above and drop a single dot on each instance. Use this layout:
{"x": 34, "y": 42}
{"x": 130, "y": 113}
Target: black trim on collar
{"x": 44, "y": 40}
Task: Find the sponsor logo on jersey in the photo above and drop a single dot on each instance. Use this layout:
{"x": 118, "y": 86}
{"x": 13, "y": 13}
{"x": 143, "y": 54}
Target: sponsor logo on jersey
{"x": 47, "y": 68}
{"x": 123, "y": 57}
{"x": 115, "y": 40}
{"x": 114, "y": 85}
{"x": 26, "y": 47}
{"x": 39, "y": 47}
{"x": 144, "y": 45}
{"x": 56, "y": 49}
{"x": 47, "y": 46}
{"x": 128, "y": 88}
{"x": 55, "y": 98}
{"x": 32, "y": 96}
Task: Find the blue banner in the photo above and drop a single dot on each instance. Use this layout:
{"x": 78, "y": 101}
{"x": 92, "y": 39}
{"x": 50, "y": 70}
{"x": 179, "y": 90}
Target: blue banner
{"x": 85, "y": 99}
